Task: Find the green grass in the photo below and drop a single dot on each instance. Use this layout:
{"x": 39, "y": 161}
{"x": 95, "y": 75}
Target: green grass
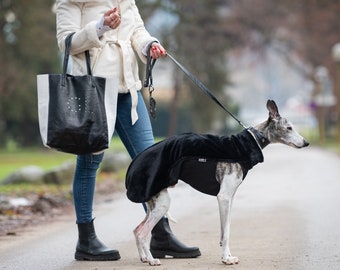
{"x": 12, "y": 160}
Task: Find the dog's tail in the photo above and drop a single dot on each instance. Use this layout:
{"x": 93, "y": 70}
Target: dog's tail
{"x": 169, "y": 216}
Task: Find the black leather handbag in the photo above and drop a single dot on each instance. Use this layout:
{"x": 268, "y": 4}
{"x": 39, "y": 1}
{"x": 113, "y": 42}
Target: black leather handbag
{"x": 76, "y": 113}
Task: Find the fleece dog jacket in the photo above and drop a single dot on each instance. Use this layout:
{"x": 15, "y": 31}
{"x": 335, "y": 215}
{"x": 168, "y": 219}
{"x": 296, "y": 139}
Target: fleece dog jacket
{"x": 192, "y": 158}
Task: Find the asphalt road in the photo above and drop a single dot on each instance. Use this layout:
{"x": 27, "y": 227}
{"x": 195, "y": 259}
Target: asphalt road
{"x": 285, "y": 216}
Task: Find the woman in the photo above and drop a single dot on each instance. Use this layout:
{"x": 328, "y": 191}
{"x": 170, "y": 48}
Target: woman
{"x": 113, "y": 32}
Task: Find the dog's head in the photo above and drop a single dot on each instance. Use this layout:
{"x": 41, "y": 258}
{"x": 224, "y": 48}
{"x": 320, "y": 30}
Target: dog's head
{"x": 280, "y": 130}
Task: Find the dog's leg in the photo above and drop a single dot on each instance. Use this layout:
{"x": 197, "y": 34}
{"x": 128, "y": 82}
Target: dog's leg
{"x": 157, "y": 207}
{"x": 138, "y": 242}
{"x": 229, "y": 184}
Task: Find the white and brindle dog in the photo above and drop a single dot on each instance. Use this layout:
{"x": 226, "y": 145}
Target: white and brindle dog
{"x": 164, "y": 163}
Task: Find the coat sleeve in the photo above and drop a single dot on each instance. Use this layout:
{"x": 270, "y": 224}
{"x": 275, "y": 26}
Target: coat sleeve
{"x": 68, "y": 21}
{"x": 141, "y": 37}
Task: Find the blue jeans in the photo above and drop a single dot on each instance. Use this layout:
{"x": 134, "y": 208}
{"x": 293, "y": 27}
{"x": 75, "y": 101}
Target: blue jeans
{"x": 135, "y": 138}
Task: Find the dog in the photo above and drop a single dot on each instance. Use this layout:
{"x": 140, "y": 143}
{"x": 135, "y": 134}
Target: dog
{"x": 214, "y": 165}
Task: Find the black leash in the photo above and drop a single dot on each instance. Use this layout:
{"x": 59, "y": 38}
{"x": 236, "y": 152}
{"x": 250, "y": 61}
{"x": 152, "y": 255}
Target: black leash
{"x": 148, "y": 83}
{"x": 204, "y": 89}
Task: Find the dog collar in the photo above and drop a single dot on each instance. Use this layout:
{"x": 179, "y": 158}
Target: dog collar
{"x": 259, "y": 137}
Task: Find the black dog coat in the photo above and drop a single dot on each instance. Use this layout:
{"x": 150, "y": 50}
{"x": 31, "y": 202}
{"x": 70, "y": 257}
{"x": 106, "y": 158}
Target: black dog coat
{"x": 191, "y": 158}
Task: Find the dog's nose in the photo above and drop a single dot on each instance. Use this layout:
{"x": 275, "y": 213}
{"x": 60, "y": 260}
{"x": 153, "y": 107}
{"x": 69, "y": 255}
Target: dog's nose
{"x": 305, "y": 143}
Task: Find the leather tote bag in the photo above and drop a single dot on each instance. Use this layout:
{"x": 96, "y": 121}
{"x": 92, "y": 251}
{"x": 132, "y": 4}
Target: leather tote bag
{"x": 76, "y": 113}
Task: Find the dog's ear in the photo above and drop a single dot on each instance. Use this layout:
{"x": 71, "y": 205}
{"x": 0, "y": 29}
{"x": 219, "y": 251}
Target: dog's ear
{"x": 273, "y": 110}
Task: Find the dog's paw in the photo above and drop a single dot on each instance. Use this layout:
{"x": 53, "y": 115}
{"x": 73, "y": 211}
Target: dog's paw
{"x": 154, "y": 262}
{"x": 230, "y": 260}
{"x": 144, "y": 259}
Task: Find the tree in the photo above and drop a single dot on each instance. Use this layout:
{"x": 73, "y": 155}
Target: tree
{"x": 303, "y": 33}
{"x": 28, "y": 40}
{"x": 307, "y": 28}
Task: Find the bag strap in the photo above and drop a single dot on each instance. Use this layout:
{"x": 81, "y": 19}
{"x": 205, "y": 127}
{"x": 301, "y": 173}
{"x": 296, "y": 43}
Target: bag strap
{"x": 88, "y": 63}
{"x": 67, "y": 56}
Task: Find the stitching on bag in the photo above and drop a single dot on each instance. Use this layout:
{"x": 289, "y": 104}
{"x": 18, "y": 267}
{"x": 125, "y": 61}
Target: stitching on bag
{"x": 77, "y": 105}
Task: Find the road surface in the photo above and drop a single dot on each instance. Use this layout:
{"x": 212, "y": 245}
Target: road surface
{"x": 285, "y": 216}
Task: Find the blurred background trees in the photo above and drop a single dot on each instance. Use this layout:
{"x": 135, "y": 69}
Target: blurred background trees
{"x": 28, "y": 47}
{"x": 207, "y": 37}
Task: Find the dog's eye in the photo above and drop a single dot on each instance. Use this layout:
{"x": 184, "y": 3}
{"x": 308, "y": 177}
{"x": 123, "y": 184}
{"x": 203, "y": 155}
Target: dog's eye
{"x": 290, "y": 128}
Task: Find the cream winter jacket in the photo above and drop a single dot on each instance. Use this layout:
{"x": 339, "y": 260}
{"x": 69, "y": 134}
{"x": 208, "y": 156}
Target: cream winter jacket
{"x": 112, "y": 54}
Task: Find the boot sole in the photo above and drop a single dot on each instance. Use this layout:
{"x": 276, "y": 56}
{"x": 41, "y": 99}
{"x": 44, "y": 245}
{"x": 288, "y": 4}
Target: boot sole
{"x": 80, "y": 256}
{"x": 164, "y": 253}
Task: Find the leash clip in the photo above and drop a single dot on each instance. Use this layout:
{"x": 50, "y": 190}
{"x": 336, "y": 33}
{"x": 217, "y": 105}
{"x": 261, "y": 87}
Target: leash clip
{"x": 152, "y": 103}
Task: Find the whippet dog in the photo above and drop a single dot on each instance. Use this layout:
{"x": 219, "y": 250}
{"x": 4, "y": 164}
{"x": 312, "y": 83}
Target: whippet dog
{"x": 226, "y": 166}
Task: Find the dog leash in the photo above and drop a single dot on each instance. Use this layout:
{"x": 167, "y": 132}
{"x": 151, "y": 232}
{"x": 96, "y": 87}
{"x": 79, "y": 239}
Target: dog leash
{"x": 149, "y": 83}
{"x": 204, "y": 89}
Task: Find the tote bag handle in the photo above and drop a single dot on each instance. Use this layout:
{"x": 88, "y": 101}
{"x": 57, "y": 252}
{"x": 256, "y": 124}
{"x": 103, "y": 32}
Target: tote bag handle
{"x": 67, "y": 56}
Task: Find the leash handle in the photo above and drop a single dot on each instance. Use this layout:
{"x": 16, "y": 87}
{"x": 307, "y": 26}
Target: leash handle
{"x": 149, "y": 82}
{"x": 148, "y": 70}
{"x": 204, "y": 89}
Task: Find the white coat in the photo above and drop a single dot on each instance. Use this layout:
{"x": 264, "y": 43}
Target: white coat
{"x": 112, "y": 54}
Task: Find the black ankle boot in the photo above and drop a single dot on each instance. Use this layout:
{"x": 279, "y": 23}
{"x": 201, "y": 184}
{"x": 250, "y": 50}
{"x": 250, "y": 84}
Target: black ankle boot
{"x": 164, "y": 243}
{"x": 90, "y": 248}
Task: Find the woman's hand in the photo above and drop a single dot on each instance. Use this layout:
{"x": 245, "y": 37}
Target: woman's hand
{"x": 157, "y": 51}
{"x": 112, "y": 18}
